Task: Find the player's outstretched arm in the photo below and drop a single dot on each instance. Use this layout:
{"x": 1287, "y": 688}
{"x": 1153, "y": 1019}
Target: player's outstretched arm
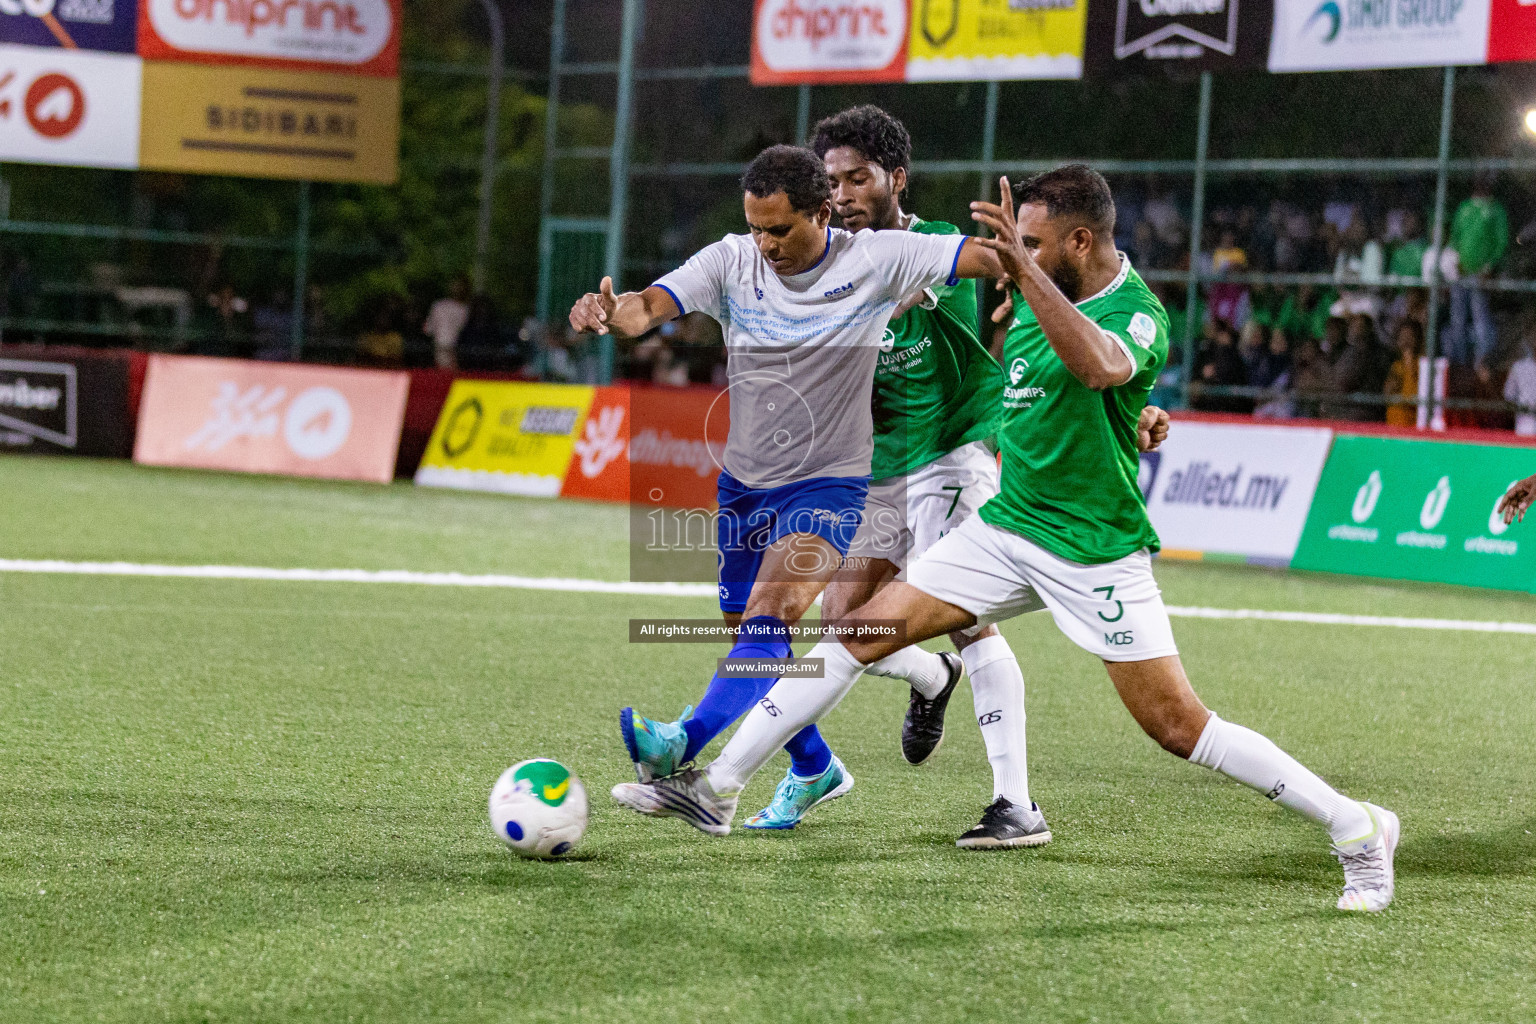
{"x": 1517, "y": 500}
{"x": 1087, "y": 351}
{"x": 624, "y": 316}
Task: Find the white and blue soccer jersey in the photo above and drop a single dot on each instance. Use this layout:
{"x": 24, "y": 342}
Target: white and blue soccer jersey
{"x": 801, "y": 350}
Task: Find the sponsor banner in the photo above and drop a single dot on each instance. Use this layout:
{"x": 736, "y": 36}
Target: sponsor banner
{"x": 355, "y": 36}
{"x": 109, "y": 25}
{"x": 796, "y": 41}
{"x": 1511, "y": 30}
{"x": 1204, "y": 35}
{"x": 270, "y": 124}
{"x": 1419, "y": 510}
{"x": 650, "y": 447}
{"x": 506, "y": 437}
{"x": 65, "y": 401}
{"x": 1342, "y": 35}
{"x": 1230, "y": 489}
{"x": 71, "y": 107}
{"x": 257, "y": 417}
{"x": 966, "y": 40}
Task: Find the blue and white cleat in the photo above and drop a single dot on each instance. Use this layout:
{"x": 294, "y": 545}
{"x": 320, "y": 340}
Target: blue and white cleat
{"x": 657, "y": 748}
{"x": 687, "y": 795}
{"x": 795, "y": 797}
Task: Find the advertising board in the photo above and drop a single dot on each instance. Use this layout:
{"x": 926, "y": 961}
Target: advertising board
{"x": 256, "y": 417}
{"x": 512, "y": 438}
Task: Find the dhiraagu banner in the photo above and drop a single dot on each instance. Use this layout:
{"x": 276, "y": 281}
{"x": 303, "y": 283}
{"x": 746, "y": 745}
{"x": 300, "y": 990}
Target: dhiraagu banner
{"x": 1420, "y": 510}
{"x": 968, "y": 40}
{"x": 508, "y": 437}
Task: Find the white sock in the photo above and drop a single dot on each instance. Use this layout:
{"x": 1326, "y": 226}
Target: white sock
{"x": 1255, "y": 761}
{"x": 997, "y": 686}
{"x": 923, "y": 670}
{"x": 795, "y": 703}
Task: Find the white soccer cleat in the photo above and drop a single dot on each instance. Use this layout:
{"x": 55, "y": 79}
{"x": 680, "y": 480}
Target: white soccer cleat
{"x": 687, "y": 795}
{"x": 1369, "y": 878}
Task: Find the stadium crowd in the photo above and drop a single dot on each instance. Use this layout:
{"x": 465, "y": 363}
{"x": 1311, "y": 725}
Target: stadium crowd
{"x": 1357, "y": 326}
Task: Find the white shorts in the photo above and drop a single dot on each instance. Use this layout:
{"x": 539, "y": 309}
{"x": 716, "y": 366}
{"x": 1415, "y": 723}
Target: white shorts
{"x": 1114, "y": 610}
{"x": 904, "y": 516}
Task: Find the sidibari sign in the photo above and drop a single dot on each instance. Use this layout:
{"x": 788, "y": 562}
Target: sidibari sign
{"x": 1419, "y": 510}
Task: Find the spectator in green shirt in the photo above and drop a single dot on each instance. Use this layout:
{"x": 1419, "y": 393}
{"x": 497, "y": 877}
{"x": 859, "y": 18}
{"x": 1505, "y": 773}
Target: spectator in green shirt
{"x": 1480, "y": 236}
{"x": 1408, "y": 258}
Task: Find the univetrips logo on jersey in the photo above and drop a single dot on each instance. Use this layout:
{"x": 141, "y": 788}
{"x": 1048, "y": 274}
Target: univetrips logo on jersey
{"x": 811, "y": 40}
{"x": 352, "y": 34}
{"x": 1345, "y": 34}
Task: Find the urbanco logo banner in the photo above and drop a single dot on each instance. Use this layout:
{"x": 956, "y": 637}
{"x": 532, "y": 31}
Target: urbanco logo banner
{"x": 1419, "y": 510}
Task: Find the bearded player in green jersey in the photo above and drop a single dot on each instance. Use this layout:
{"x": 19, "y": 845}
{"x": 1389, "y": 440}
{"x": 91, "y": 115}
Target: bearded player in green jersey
{"x": 1068, "y": 532}
{"x": 936, "y": 400}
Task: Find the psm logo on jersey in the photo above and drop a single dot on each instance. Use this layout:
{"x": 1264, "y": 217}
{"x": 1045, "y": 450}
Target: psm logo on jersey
{"x": 838, "y": 290}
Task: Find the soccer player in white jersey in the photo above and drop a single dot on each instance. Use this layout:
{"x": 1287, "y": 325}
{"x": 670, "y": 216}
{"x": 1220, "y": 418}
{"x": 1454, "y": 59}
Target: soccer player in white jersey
{"x": 1068, "y": 532}
{"x": 804, "y": 306}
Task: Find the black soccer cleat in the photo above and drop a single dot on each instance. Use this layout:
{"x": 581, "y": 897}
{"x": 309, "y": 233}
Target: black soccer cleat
{"x": 1005, "y": 824}
{"x": 923, "y": 729}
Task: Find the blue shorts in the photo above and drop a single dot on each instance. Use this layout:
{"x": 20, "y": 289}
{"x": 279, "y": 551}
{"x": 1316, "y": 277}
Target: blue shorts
{"x": 750, "y": 520}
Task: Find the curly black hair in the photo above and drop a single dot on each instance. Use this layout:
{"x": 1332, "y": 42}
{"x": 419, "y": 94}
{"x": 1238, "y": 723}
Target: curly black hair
{"x": 1075, "y": 191}
{"x": 867, "y": 130}
{"x": 793, "y": 170}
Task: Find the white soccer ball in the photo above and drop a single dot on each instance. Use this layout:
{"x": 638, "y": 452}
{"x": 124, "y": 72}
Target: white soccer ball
{"x": 539, "y": 808}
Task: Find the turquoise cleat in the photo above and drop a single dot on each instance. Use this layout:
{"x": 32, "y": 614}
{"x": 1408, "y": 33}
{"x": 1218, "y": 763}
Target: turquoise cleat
{"x": 656, "y": 747}
{"x": 795, "y": 797}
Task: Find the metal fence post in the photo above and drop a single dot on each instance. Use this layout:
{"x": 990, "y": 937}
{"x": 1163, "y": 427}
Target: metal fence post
{"x": 988, "y": 154}
{"x": 1437, "y": 231}
{"x": 803, "y": 114}
{"x": 989, "y": 138}
{"x": 1196, "y": 222}
{"x": 618, "y": 169}
{"x": 300, "y": 275}
{"x": 488, "y": 156}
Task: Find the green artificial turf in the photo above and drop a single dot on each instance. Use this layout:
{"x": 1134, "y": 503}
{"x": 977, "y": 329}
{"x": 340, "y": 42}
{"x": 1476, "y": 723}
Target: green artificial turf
{"x": 265, "y": 801}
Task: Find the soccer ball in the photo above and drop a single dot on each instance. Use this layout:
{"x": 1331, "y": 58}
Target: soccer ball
{"x": 539, "y": 808}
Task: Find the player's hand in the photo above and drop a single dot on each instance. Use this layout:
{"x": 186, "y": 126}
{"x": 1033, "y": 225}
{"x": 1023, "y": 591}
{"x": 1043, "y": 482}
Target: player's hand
{"x": 1151, "y": 429}
{"x": 1004, "y": 311}
{"x": 592, "y": 310}
{"x": 1517, "y": 500}
{"x": 999, "y": 218}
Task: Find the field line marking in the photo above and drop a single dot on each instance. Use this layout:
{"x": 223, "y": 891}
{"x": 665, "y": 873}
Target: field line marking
{"x": 506, "y": 582}
{"x": 428, "y": 579}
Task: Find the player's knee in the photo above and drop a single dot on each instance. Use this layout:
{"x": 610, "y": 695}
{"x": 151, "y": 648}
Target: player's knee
{"x": 1175, "y": 732}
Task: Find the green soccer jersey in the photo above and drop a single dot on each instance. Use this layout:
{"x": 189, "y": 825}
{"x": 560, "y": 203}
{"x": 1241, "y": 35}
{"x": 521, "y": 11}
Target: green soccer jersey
{"x": 1069, "y": 453}
{"x": 936, "y": 386}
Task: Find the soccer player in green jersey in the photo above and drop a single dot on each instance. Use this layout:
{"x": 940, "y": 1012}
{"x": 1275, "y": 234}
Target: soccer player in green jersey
{"x": 1069, "y": 530}
{"x": 936, "y": 401}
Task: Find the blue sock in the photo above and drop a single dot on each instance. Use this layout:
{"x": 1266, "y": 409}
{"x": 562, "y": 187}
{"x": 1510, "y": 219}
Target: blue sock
{"x": 728, "y": 698}
{"x": 809, "y": 754}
